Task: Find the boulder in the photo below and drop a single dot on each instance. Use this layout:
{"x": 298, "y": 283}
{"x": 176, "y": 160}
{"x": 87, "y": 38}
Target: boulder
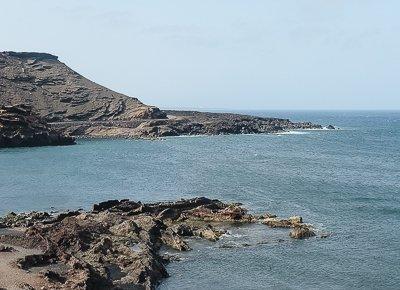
{"x": 301, "y": 233}
{"x": 283, "y": 223}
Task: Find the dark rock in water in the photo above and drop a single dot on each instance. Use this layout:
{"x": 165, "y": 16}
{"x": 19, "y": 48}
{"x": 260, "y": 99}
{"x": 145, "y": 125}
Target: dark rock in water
{"x": 274, "y": 222}
{"x": 23, "y": 219}
{"x": 207, "y": 231}
{"x": 301, "y": 232}
{"x": 118, "y": 244}
{"x": 105, "y": 205}
{"x": 330, "y": 127}
{"x": 60, "y": 217}
{"x": 19, "y": 127}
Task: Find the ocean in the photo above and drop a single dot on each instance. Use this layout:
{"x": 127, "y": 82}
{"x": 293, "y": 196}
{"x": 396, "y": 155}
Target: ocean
{"x": 345, "y": 182}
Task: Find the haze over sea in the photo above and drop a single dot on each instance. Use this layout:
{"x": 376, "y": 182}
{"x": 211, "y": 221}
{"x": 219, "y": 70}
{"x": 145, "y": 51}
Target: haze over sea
{"x": 346, "y": 182}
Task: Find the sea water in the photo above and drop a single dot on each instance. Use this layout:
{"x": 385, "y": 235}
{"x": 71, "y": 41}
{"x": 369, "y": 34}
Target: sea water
{"x": 346, "y": 182}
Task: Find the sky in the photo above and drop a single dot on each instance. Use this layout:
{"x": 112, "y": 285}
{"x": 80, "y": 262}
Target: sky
{"x": 222, "y": 54}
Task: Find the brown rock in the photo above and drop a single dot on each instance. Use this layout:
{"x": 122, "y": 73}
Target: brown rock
{"x": 19, "y": 127}
{"x": 117, "y": 245}
{"x": 283, "y": 223}
{"x": 301, "y": 233}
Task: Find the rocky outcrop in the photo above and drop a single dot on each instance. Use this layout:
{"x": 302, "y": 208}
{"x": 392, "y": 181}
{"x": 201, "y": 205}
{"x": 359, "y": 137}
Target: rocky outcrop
{"x": 57, "y": 93}
{"x": 299, "y": 230}
{"x": 183, "y": 123}
{"x": 117, "y": 244}
{"x": 19, "y": 127}
{"x": 201, "y": 123}
{"x": 275, "y": 222}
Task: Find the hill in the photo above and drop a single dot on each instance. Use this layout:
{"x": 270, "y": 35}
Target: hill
{"x": 58, "y": 93}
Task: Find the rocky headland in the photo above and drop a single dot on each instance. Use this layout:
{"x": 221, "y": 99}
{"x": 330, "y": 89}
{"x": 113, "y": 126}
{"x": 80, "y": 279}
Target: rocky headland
{"x": 180, "y": 123}
{"x": 19, "y": 127}
{"x": 117, "y": 245}
{"x": 82, "y": 108}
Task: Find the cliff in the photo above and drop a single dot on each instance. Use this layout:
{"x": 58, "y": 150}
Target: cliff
{"x": 20, "y": 128}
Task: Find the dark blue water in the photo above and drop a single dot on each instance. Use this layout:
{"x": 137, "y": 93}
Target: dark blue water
{"x": 345, "y": 182}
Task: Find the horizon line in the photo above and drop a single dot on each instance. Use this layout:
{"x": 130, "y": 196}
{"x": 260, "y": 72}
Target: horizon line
{"x": 276, "y": 109}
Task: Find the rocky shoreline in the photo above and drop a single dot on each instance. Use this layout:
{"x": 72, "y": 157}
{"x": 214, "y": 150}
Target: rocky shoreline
{"x": 181, "y": 123}
{"x": 117, "y": 244}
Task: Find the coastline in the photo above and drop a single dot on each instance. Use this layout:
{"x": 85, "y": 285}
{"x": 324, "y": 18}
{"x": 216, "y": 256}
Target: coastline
{"x": 329, "y": 178}
{"x": 118, "y": 243}
{"x": 70, "y": 105}
{"x": 183, "y": 124}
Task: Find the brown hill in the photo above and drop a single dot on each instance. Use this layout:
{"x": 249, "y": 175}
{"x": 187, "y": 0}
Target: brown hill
{"x": 57, "y": 93}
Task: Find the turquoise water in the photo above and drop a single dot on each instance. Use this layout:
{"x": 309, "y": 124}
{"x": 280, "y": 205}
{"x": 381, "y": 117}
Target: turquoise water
{"x": 345, "y": 182}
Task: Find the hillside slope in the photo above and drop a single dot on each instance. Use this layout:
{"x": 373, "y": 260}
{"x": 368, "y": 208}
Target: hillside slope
{"x": 57, "y": 93}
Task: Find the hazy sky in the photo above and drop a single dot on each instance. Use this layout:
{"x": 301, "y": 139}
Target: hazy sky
{"x": 249, "y": 54}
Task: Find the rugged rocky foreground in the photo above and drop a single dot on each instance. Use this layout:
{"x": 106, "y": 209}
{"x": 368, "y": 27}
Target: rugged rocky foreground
{"x": 117, "y": 244}
{"x": 19, "y": 127}
{"x": 83, "y": 108}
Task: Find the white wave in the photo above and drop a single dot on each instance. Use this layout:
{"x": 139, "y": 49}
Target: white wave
{"x": 293, "y": 133}
{"x": 190, "y": 136}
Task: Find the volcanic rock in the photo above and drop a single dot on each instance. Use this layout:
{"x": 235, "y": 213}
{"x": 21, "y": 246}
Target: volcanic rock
{"x": 19, "y": 127}
{"x": 117, "y": 246}
{"x": 301, "y": 232}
